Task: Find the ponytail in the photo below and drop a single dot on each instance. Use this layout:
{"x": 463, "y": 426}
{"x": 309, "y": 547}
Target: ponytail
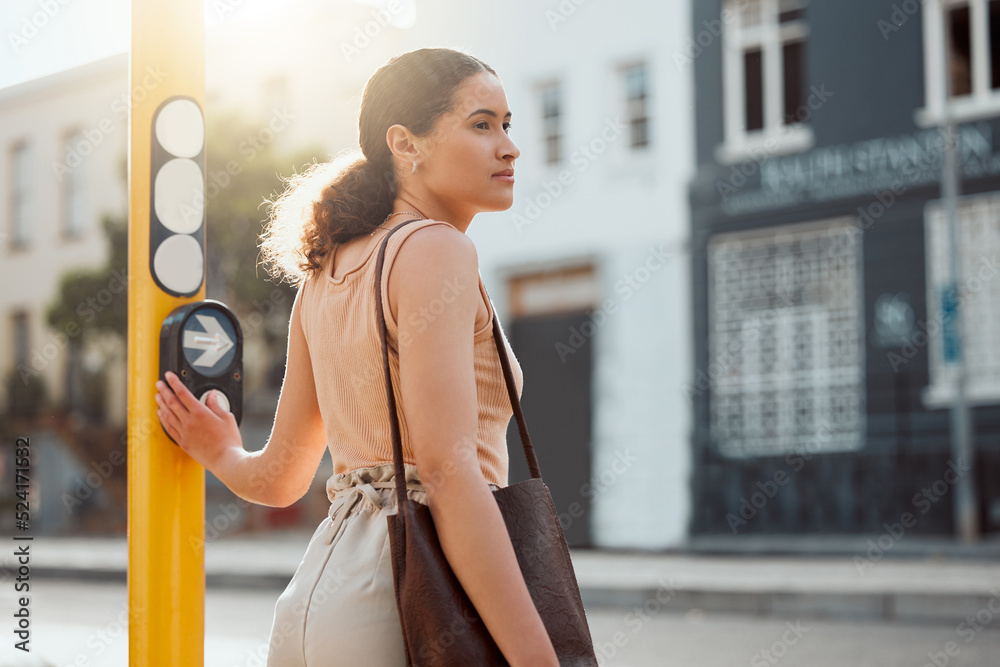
{"x": 333, "y": 202}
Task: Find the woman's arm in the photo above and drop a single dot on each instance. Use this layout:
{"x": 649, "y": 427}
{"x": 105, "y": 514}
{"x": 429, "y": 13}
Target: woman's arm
{"x": 438, "y": 386}
{"x": 281, "y": 472}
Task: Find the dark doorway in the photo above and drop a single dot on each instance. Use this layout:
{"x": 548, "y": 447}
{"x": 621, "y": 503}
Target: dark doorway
{"x": 556, "y": 401}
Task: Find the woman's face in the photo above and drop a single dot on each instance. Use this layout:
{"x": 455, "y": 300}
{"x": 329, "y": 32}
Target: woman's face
{"x": 458, "y": 160}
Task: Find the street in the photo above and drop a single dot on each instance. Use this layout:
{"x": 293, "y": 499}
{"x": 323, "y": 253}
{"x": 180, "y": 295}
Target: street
{"x": 85, "y": 625}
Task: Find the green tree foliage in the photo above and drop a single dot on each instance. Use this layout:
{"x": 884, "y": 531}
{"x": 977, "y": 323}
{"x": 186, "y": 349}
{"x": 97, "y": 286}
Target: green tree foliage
{"x": 95, "y": 299}
{"x": 243, "y": 170}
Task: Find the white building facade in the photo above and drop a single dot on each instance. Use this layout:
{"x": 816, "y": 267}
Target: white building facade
{"x": 601, "y": 97}
{"x": 63, "y": 141}
{"x": 589, "y": 270}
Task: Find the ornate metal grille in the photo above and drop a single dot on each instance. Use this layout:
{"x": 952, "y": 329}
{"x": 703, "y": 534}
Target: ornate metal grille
{"x": 786, "y": 340}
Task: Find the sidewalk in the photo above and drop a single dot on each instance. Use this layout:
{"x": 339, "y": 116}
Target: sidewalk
{"x": 926, "y": 581}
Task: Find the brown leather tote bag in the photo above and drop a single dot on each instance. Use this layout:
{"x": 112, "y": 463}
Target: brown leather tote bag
{"x": 440, "y": 624}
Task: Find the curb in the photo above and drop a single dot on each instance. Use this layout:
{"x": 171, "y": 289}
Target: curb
{"x": 259, "y": 581}
{"x": 911, "y": 608}
{"x": 886, "y": 606}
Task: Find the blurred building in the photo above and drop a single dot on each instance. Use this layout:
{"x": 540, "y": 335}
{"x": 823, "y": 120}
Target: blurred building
{"x": 65, "y": 160}
{"x": 824, "y": 348}
{"x": 64, "y": 167}
{"x": 63, "y": 139}
{"x": 588, "y": 270}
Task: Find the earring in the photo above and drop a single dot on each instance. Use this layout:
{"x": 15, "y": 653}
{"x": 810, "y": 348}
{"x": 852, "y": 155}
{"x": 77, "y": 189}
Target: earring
{"x": 414, "y": 170}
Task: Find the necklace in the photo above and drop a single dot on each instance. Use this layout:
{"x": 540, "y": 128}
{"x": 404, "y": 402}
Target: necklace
{"x": 392, "y": 214}
{"x": 336, "y": 245}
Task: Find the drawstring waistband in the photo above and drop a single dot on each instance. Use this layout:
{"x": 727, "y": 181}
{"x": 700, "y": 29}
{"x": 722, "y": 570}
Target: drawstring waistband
{"x": 345, "y": 490}
{"x": 353, "y": 494}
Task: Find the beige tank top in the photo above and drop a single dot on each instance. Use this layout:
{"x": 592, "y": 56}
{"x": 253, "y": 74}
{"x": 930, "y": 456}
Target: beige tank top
{"x": 341, "y": 329}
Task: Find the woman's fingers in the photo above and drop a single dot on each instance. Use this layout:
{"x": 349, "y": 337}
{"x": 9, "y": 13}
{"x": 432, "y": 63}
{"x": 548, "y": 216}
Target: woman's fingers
{"x": 175, "y": 436}
{"x": 167, "y": 416}
{"x": 187, "y": 399}
{"x": 167, "y": 400}
{"x": 198, "y": 428}
{"x": 170, "y": 423}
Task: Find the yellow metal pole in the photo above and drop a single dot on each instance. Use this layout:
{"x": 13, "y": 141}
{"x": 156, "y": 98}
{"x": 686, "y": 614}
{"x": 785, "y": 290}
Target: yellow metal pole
{"x": 166, "y": 488}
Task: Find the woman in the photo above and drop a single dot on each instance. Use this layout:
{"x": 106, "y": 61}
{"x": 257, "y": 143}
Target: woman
{"x": 434, "y": 129}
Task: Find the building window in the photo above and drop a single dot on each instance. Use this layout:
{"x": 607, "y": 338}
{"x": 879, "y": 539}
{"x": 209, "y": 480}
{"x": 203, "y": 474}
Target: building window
{"x": 74, "y": 215}
{"x": 20, "y": 197}
{"x": 764, "y": 77}
{"x": 22, "y": 338}
{"x": 970, "y": 30}
{"x": 961, "y": 50}
{"x": 551, "y": 99}
{"x": 786, "y": 340}
{"x": 978, "y": 296}
{"x": 636, "y": 80}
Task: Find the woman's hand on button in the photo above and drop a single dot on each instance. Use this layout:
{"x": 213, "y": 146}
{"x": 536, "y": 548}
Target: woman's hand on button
{"x": 203, "y": 430}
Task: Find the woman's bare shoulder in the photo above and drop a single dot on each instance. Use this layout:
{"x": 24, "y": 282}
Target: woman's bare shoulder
{"x": 432, "y": 258}
{"x": 436, "y": 243}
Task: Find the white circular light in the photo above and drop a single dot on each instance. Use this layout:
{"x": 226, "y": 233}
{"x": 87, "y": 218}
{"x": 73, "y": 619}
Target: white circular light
{"x": 179, "y": 196}
{"x": 223, "y": 400}
{"x": 179, "y": 264}
{"x": 180, "y": 128}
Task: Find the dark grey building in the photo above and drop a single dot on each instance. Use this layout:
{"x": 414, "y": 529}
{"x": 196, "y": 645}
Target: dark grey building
{"x": 824, "y": 347}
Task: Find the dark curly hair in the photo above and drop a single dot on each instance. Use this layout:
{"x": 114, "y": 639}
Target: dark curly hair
{"x": 333, "y": 202}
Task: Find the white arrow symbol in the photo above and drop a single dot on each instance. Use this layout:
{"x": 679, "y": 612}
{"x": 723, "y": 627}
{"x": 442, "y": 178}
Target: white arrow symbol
{"x": 213, "y": 341}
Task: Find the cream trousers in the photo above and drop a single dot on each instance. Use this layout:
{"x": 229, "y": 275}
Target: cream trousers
{"x": 340, "y": 609}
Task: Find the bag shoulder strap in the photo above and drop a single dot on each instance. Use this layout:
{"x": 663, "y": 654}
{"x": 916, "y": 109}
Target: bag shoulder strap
{"x": 397, "y": 444}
